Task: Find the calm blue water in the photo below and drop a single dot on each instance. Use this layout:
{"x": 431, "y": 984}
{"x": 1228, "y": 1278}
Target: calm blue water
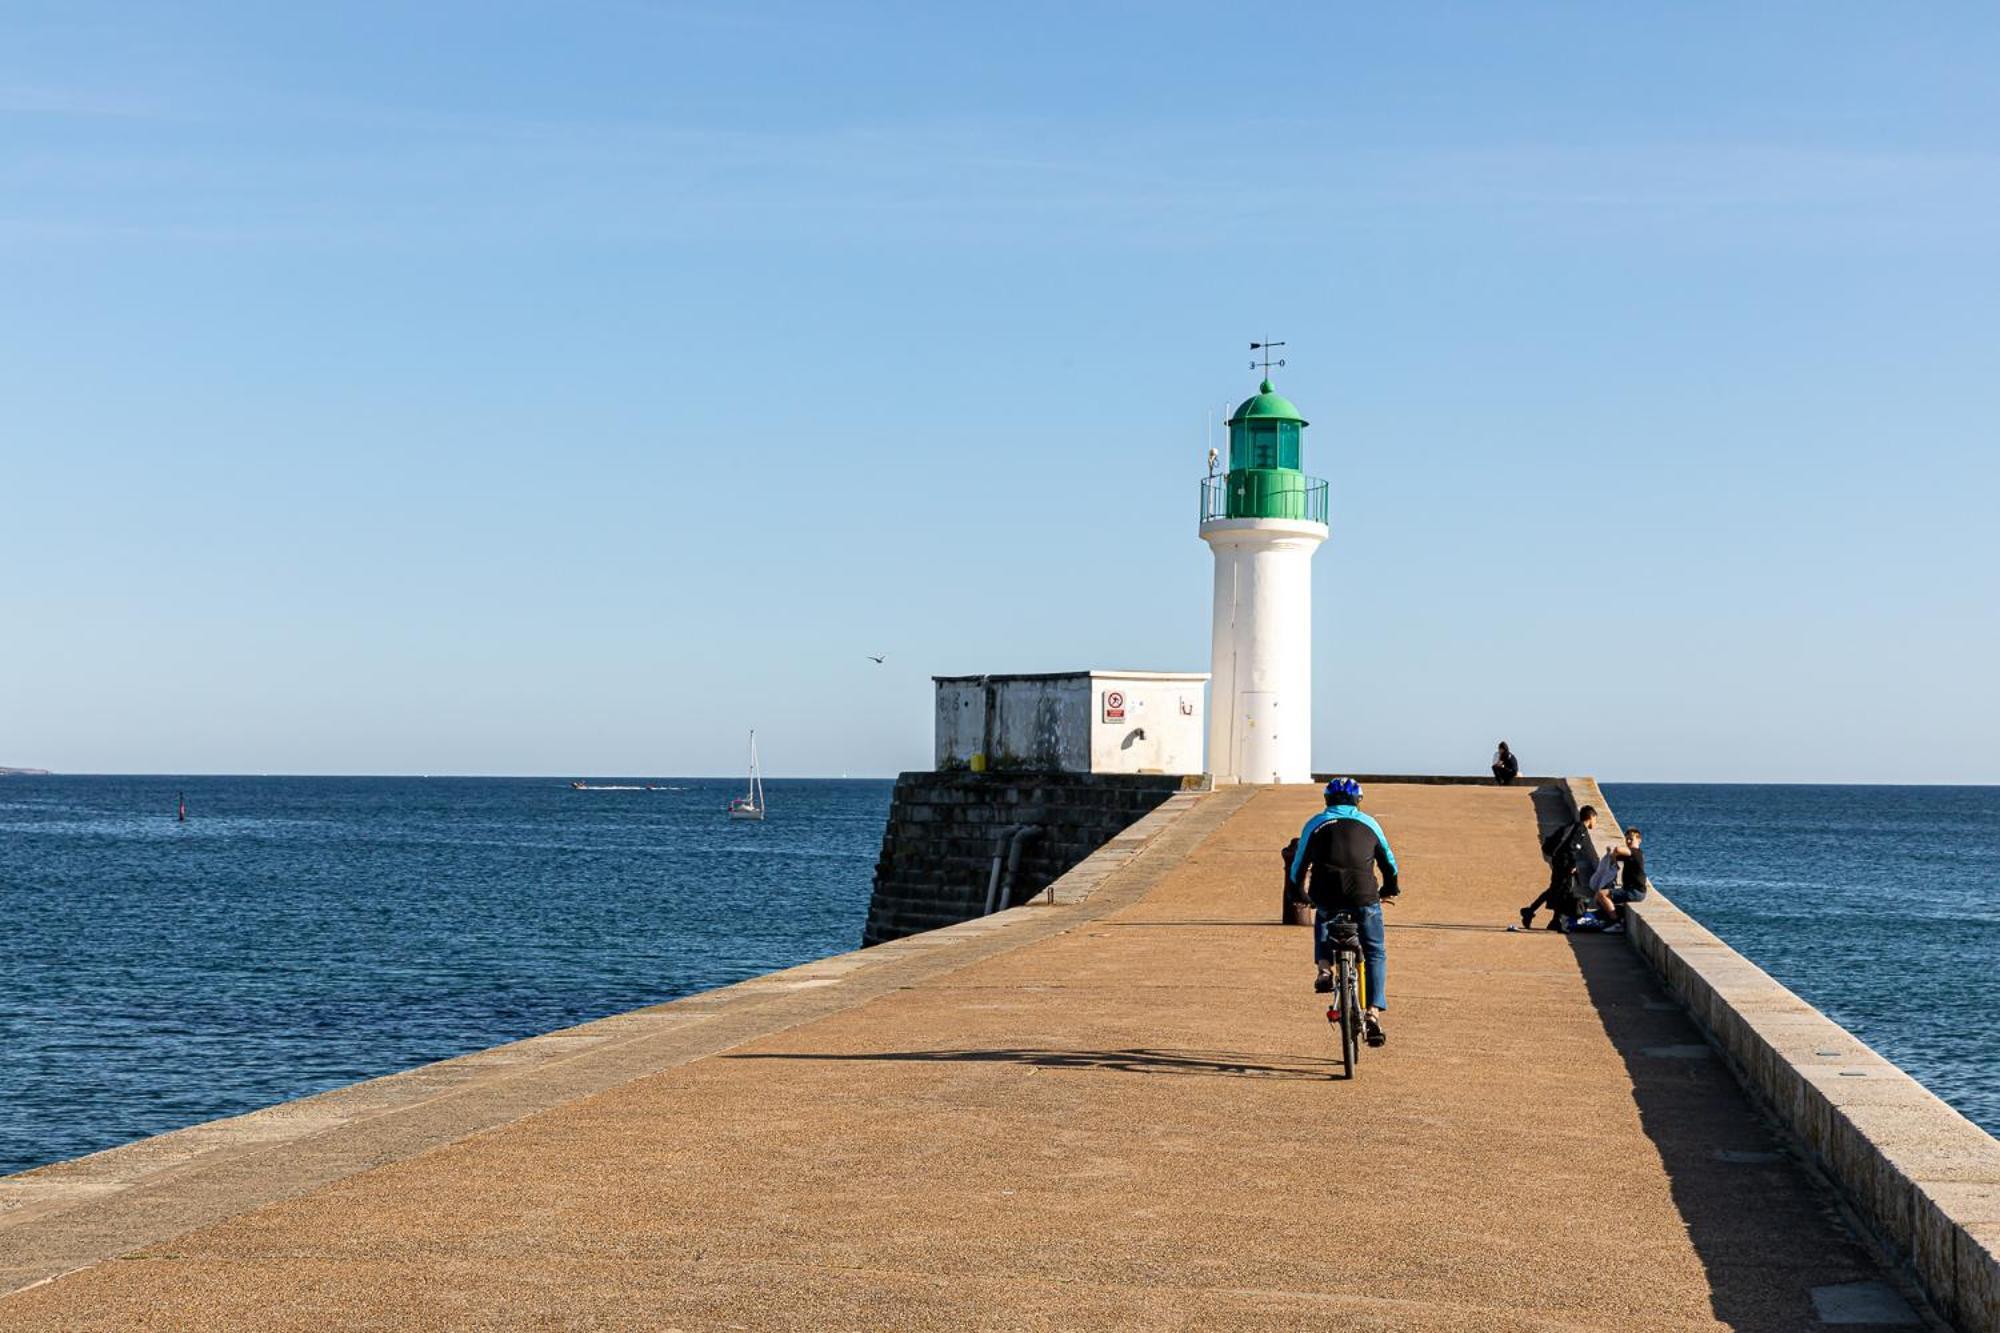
{"x": 1879, "y": 905}
{"x": 297, "y": 934}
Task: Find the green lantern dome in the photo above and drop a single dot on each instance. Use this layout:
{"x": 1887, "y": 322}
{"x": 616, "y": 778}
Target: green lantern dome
{"x": 1268, "y": 406}
{"x": 1264, "y": 478}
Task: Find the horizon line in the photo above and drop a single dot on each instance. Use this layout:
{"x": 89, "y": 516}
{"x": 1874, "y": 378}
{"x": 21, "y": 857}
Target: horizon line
{"x": 567, "y": 777}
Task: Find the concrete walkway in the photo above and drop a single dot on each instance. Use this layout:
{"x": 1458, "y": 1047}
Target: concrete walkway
{"x": 1119, "y": 1115}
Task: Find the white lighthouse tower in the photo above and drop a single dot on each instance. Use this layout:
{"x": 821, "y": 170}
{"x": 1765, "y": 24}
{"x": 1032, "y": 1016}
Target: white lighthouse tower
{"x": 1263, "y": 518}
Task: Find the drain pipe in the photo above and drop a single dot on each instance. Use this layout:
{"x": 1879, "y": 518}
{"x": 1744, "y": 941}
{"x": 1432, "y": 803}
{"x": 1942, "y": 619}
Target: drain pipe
{"x": 1006, "y": 855}
{"x": 1014, "y": 846}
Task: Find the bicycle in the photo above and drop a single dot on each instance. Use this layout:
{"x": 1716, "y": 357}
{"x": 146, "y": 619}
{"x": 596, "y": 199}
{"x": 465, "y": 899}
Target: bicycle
{"x": 1349, "y": 985}
{"x": 1347, "y": 1015}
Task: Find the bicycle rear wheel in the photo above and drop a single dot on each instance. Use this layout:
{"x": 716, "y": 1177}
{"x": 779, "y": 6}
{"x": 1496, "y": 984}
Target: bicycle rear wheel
{"x": 1350, "y": 1015}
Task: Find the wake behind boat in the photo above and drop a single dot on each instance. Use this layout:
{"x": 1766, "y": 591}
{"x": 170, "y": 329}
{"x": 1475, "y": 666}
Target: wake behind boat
{"x": 606, "y": 786}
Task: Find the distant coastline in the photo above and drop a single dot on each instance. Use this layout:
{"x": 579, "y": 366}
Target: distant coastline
{"x": 23, "y": 772}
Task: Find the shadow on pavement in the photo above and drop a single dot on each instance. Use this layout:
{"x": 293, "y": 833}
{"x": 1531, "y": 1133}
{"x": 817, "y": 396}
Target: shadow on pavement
{"x": 1390, "y": 923}
{"x": 1763, "y": 1230}
{"x": 1551, "y": 807}
{"x": 1139, "y": 1060}
{"x": 1152, "y": 925}
{"x": 1765, "y": 1233}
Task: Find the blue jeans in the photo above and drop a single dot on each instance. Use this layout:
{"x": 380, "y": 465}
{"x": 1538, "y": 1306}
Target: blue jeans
{"x": 1374, "y": 949}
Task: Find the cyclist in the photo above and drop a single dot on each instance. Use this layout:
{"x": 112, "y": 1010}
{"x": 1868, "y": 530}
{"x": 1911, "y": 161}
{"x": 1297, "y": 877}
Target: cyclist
{"x": 1340, "y": 849}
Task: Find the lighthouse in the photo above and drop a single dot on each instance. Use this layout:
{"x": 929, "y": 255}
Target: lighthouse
{"x": 1263, "y": 518}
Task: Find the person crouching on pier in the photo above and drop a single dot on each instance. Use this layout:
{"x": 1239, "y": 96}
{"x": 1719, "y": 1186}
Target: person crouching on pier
{"x": 1505, "y": 766}
{"x": 1340, "y": 849}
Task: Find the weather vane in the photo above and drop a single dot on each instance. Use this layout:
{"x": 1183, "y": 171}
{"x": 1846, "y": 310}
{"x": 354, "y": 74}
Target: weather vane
{"x": 1266, "y": 362}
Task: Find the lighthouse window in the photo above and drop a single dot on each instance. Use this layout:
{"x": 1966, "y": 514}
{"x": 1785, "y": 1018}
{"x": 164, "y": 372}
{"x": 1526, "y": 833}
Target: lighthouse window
{"x": 1264, "y": 446}
{"x": 1288, "y": 445}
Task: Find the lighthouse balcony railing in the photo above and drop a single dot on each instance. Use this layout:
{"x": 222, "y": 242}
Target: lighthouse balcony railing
{"x": 1255, "y": 493}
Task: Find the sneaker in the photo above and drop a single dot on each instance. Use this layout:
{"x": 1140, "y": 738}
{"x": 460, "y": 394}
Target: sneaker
{"x": 1614, "y": 929}
{"x": 1323, "y": 984}
{"x": 1371, "y": 1026}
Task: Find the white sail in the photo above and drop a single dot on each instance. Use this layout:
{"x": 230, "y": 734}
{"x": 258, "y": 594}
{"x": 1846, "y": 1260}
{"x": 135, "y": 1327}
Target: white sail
{"x": 750, "y": 805}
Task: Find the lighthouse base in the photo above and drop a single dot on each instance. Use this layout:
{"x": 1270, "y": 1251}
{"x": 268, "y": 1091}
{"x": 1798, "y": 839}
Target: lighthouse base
{"x": 1260, "y": 712}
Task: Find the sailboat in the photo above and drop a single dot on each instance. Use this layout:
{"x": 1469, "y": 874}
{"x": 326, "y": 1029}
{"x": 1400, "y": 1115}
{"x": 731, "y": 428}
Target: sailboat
{"x": 750, "y": 805}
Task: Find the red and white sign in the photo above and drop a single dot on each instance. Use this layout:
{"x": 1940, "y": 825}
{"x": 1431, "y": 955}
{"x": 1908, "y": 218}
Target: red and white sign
{"x": 1114, "y": 705}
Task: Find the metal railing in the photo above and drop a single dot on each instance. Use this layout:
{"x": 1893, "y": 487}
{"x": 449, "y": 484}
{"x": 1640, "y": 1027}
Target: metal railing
{"x": 1262, "y": 494}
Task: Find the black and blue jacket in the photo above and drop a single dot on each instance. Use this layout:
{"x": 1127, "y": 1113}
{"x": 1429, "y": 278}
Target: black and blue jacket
{"x": 1340, "y": 849}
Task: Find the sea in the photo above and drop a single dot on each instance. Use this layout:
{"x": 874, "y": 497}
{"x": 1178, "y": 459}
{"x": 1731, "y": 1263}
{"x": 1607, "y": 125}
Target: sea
{"x": 1880, "y": 906}
{"x": 298, "y": 934}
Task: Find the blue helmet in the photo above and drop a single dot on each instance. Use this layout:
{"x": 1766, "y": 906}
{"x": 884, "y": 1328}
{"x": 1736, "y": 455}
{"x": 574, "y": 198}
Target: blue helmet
{"x": 1343, "y": 791}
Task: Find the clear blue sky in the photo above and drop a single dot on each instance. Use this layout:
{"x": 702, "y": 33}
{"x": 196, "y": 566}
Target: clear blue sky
{"x": 568, "y": 387}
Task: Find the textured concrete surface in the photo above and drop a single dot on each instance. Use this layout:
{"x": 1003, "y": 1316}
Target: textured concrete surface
{"x": 1121, "y": 1115}
{"x": 72, "y": 1214}
{"x": 1924, "y": 1179}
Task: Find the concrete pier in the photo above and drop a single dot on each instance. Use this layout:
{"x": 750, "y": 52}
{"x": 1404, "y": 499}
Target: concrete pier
{"x": 1118, "y": 1111}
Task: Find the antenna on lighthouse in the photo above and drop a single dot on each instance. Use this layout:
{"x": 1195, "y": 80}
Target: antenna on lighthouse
{"x": 1265, "y": 362}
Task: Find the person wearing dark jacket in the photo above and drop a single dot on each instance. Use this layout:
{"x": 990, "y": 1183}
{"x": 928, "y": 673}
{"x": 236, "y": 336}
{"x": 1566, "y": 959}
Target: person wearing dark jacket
{"x": 1570, "y": 852}
{"x": 1340, "y": 852}
{"x": 1632, "y": 883}
{"x": 1505, "y": 766}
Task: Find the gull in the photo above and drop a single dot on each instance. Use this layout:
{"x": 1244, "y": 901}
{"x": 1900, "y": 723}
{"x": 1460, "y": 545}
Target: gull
{"x": 876, "y": 660}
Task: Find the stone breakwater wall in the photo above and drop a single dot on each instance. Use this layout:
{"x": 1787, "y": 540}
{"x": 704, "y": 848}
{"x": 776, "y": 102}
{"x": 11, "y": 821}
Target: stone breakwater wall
{"x": 1923, "y": 1178}
{"x": 945, "y": 829}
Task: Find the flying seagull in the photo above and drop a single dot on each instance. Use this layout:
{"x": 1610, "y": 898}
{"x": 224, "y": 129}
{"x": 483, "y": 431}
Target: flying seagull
{"x": 876, "y": 660}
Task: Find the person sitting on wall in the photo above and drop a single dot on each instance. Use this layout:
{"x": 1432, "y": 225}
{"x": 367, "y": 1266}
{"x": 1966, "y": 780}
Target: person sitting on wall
{"x": 1340, "y": 851}
{"x": 1505, "y": 766}
{"x": 1631, "y": 887}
